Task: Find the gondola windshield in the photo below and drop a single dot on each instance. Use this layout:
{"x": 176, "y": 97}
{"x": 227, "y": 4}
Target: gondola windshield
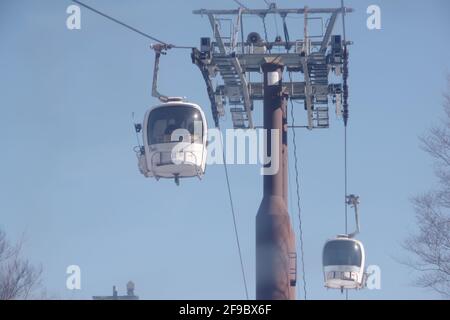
{"x": 164, "y": 121}
{"x": 341, "y": 252}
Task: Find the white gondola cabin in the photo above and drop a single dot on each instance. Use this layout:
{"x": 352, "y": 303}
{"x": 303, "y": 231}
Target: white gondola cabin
{"x": 343, "y": 257}
{"x": 343, "y": 263}
{"x": 174, "y": 136}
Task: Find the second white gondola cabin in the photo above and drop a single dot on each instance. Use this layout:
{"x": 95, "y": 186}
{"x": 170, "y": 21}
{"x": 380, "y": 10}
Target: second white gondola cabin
{"x": 174, "y": 136}
{"x": 343, "y": 263}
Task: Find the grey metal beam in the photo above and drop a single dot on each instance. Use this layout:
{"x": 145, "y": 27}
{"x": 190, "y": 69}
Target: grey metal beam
{"x": 253, "y": 61}
{"x": 209, "y": 85}
{"x": 271, "y": 11}
{"x": 245, "y": 93}
{"x": 326, "y": 38}
{"x": 277, "y": 44}
{"x": 214, "y": 26}
{"x": 237, "y": 67}
{"x": 296, "y": 90}
{"x": 308, "y": 93}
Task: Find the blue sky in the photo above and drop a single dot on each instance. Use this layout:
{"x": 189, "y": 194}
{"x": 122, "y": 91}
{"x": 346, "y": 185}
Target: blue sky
{"x": 69, "y": 179}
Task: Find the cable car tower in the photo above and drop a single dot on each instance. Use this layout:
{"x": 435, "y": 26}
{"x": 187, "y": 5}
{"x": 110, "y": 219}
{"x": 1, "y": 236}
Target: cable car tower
{"x": 236, "y": 57}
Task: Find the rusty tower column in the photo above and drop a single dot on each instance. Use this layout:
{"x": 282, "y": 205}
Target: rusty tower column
{"x": 275, "y": 241}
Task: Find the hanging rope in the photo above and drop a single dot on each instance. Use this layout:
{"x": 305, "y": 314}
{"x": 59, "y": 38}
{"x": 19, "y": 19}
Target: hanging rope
{"x": 297, "y": 183}
{"x": 238, "y": 243}
{"x": 241, "y": 4}
{"x": 345, "y": 116}
{"x": 345, "y": 179}
{"x": 146, "y": 35}
{"x": 345, "y": 112}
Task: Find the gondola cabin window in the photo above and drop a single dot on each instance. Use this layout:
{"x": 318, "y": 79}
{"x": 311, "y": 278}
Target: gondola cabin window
{"x": 165, "y": 120}
{"x": 342, "y": 252}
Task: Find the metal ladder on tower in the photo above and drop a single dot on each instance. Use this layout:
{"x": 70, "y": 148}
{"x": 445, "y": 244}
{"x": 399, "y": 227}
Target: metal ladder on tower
{"x": 318, "y": 74}
{"x": 233, "y": 85}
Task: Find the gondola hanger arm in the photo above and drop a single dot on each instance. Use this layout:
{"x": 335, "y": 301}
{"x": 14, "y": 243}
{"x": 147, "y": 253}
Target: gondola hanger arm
{"x": 353, "y": 201}
{"x": 160, "y": 49}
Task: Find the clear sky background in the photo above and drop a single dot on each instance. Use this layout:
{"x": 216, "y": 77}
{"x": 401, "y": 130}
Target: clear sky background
{"x": 69, "y": 180}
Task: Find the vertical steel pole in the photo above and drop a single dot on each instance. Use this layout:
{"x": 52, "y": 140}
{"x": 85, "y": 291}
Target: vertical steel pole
{"x": 275, "y": 242}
